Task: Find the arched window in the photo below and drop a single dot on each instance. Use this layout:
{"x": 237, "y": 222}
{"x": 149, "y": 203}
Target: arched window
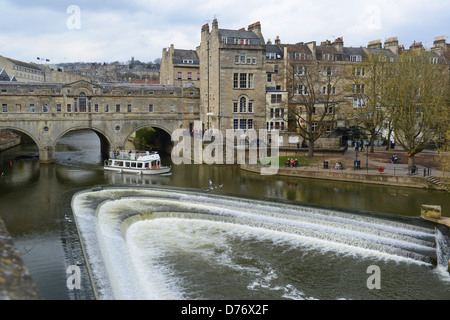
{"x": 243, "y": 104}
{"x": 82, "y": 101}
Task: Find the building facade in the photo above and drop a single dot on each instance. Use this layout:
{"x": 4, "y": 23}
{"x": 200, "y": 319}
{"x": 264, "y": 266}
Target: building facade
{"x": 22, "y": 71}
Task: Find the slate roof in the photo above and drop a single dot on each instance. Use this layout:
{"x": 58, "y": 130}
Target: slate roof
{"x": 181, "y": 54}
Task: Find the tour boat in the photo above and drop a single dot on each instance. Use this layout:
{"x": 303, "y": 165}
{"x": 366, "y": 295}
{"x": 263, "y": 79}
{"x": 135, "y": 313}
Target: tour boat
{"x": 140, "y": 163}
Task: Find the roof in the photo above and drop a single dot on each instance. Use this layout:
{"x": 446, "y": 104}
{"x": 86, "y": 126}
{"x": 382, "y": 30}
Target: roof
{"x": 23, "y": 64}
{"x": 181, "y": 54}
{"x": 241, "y": 34}
{"x": 3, "y": 75}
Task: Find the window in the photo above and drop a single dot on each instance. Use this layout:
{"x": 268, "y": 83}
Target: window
{"x": 242, "y": 58}
{"x": 358, "y": 88}
{"x": 270, "y": 55}
{"x": 236, "y": 80}
{"x": 69, "y": 108}
{"x": 150, "y": 108}
{"x": 95, "y": 107}
{"x": 58, "y": 108}
{"x": 82, "y": 99}
{"x": 243, "y": 81}
{"x": 235, "y": 124}
{"x": 355, "y": 58}
{"x": 250, "y": 106}
{"x": 250, "y": 80}
{"x": 276, "y": 113}
{"x": 180, "y": 75}
{"x": 359, "y": 103}
{"x": 172, "y": 108}
{"x": 243, "y": 104}
{"x": 189, "y": 75}
{"x": 360, "y": 71}
{"x": 302, "y": 90}
{"x": 4, "y": 108}
{"x": 275, "y": 98}
{"x": 314, "y": 127}
{"x": 236, "y": 59}
{"x": 235, "y": 106}
{"x": 129, "y": 108}
{"x": 191, "y": 109}
{"x": 275, "y": 69}
{"x": 243, "y": 124}
{"x": 250, "y": 124}
{"x": 117, "y": 107}
{"x": 107, "y": 108}
{"x": 45, "y": 108}
{"x": 269, "y": 77}
{"x": 32, "y": 108}
{"x": 329, "y": 110}
{"x": 198, "y": 75}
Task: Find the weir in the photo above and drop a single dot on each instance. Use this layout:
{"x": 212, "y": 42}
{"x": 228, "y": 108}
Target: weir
{"x": 126, "y": 218}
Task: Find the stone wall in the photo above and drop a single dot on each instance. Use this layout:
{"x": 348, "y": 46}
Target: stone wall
{"x": 15, "y": 279}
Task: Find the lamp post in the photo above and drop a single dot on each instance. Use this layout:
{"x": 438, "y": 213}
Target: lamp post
{"x": 367, "y": 157}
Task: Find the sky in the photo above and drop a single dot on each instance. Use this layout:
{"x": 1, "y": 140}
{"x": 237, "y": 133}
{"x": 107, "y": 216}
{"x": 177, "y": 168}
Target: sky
{"x": 111, "y": 30}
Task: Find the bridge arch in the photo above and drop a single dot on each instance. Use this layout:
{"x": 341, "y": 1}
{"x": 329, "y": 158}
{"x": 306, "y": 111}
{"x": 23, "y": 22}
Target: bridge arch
{"x": 164, "y": 135}
{"x": 105, "y": 141}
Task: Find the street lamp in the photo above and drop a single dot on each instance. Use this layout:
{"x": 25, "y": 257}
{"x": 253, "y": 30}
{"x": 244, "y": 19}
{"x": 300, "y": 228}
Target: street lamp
{"x": 367, "y": 157}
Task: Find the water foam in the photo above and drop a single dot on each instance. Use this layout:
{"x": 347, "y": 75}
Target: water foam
{"x": 171, "y": 221}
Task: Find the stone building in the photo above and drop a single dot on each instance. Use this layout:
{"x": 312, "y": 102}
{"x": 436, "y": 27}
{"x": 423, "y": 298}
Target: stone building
{"x": 22, "y": 71}
{"x": 179, "y": 67}
{"x": 232, "y": 77}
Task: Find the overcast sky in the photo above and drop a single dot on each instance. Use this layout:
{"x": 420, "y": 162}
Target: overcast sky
{"x": 113, "y": 30}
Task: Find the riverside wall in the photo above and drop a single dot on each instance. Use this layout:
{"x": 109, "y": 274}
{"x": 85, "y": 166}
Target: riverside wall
{"x": 15, "y": 280}
{"x": 351, "y": 176}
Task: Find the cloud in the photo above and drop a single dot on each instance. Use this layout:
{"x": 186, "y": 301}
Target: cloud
{"x": 113, "y": 30}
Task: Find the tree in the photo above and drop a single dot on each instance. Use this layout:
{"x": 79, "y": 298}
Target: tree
{"x": 314, "y": 95}
{"x": 368, "y": 86}
{"x": 417, "y": 93}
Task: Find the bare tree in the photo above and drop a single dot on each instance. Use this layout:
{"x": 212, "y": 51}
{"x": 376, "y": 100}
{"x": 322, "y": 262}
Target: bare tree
{"x": 367, "y": 82}
{"x": 315, "y": 92}
{"x": 418, "y": 93}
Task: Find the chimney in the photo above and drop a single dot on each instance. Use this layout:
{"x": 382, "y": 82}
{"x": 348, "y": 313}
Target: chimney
{"x": 439, "y": 45}
{"x": 215, "y": 24}
{"x": 416, "y": 46}
{"x": 325, "y": 43}
{"x": 392, "y": 44}
{"x": 256, "y": 28}
{"x": 375, "y": 44}
{"x": 205, "y": 28}
{"x": 339, "y": 44}
{"x": 277, "y": 40}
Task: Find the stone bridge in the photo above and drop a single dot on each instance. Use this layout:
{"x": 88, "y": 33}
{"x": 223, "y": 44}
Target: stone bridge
{"x": 47, "y": 111}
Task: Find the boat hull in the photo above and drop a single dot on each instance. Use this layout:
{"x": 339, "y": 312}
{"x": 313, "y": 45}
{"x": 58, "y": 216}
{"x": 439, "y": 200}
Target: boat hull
{"x": 161, "y": 170}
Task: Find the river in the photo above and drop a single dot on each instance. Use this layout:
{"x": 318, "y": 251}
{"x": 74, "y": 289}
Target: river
{"x": 217, "y": 233}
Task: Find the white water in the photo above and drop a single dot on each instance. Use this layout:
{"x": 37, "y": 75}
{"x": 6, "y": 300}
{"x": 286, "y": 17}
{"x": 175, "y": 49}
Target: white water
{"x": 141, "y": 243}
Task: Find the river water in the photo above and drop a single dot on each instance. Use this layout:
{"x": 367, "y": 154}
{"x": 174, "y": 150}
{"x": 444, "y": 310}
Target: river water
{"x": 215, "y": 232}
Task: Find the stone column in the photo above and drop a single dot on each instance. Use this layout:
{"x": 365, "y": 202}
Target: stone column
{"x": 47, "y": 154}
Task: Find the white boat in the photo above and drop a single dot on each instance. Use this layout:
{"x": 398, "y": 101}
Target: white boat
{"x": 140, "y": 163}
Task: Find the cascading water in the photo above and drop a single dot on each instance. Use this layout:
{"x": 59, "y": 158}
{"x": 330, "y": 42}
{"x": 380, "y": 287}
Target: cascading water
{"x": 163, "y": 243}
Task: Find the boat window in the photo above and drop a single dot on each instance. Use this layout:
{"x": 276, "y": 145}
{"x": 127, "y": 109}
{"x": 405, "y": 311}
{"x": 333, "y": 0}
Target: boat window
{"x": 133, "y": 164}
{"x": 146, "y": 165}
{"x": 127, "y": 164}
{"x": 139, "y": 165}
{"x": 119, "y": 163}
